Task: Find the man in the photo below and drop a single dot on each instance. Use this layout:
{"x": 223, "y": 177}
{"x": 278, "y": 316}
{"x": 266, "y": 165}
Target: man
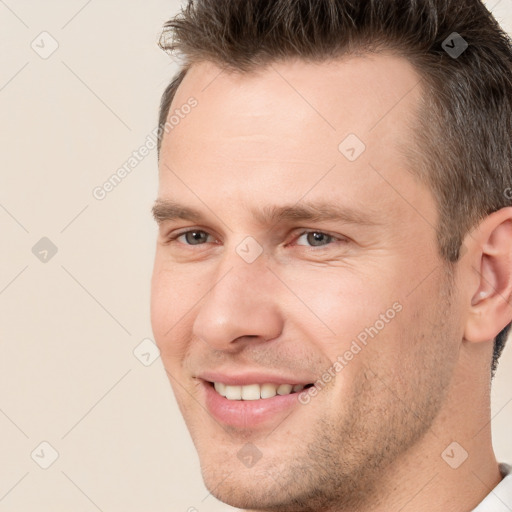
{"x": 333, "y": 275}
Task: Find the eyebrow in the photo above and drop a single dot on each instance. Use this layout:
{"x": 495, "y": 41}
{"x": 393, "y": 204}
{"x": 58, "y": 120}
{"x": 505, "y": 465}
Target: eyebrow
{"x": 167, "y": 210}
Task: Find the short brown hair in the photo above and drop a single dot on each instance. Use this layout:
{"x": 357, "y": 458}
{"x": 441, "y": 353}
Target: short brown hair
{"x": 464, "y": 127}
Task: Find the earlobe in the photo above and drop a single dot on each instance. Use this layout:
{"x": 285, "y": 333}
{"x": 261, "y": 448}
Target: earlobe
{"x": 491, "y": 302}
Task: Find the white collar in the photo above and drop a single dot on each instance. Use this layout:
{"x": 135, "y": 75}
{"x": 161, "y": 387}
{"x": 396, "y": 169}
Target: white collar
{"x": 500, "y": 498}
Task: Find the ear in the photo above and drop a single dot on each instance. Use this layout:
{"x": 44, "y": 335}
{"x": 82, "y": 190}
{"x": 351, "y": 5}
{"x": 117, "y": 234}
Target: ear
{"x": 490, "y": 247}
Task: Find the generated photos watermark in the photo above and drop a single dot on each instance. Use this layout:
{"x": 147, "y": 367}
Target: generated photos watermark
{"x": 100, "y": 192}
{"x": 355, "y": 348}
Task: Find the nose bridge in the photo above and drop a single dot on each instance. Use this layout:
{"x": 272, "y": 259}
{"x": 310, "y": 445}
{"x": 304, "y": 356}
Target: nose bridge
{"x": 241, "y": 302}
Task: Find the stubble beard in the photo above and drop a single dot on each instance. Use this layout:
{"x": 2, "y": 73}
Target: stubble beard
{"x": 339, "y": 465}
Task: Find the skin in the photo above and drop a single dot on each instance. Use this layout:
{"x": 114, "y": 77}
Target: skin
{"x": 372, "y": 438}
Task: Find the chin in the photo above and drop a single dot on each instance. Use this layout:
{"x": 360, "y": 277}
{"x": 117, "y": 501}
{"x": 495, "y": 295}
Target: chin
{"x": 250, "y": 491}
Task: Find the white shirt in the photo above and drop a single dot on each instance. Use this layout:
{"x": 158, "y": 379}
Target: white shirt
{"x": 500, "y": 498}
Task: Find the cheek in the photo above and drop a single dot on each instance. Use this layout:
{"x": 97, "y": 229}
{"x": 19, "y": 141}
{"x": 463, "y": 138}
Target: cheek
{"x": 162, "y": 303}
{"x": 169, "y": 307}
{"x": 341, "y": 306}
{"x": 419, "y": 333}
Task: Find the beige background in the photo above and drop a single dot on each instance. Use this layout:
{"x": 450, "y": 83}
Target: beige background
{"x": 69, "y": 326}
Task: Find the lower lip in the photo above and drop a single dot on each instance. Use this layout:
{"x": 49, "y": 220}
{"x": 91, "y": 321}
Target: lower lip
{"x": 248, "y": 413}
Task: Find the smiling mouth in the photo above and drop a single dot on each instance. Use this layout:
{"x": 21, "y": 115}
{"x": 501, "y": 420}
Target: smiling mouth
{"x": 256, "y": 391}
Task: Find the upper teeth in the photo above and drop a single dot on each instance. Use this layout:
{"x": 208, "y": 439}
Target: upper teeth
{"x": 255, "y": 391}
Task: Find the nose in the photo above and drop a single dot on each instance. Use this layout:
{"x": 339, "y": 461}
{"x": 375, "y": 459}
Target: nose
{"x": 242, "y": 303}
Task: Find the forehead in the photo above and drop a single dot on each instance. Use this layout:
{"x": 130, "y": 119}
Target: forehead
{"x": 362, "y": 94}
{"x": 280, "y": 129}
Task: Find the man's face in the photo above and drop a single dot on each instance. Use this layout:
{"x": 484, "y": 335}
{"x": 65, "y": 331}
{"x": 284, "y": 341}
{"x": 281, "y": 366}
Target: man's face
{"x": 273, "y": 303}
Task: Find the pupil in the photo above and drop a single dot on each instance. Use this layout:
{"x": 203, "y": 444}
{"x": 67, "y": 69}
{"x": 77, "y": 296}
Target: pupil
{"x": 195, "y": 236}
{"x": 317, "y": 237}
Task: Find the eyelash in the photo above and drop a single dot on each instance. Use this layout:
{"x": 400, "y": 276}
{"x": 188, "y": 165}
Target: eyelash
{"x": 174, "y": 237}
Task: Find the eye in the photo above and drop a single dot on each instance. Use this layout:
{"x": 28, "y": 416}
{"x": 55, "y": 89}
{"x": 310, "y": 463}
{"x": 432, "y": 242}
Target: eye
{"x": 191, "y": 237}
{"x": 316, "y": 238}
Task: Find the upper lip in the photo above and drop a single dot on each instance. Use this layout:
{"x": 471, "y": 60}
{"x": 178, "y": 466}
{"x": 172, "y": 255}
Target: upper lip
{"x": 251, "y": 377}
